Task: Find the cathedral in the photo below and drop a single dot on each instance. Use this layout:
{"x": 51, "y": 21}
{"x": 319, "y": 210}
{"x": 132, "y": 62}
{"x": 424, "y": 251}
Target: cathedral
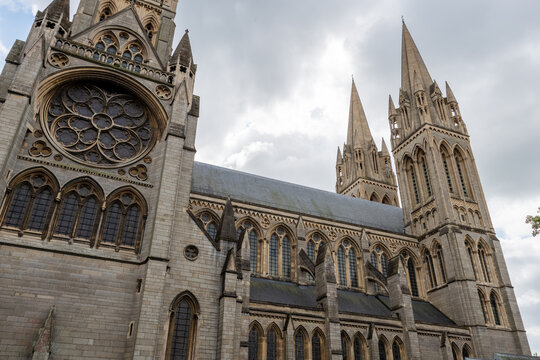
{"x": 116, "y": 244}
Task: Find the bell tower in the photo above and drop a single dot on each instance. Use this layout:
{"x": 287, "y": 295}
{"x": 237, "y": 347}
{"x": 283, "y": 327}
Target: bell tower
{"x": 362, "y": 170}
{"x": 444, "y": 206}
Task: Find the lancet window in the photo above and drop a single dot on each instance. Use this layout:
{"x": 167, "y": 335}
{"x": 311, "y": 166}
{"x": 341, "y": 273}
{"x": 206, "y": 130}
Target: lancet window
{"x": 382, "y": 349}
{"x": 396, "y": 350}
{"x": 494, "y": 302}
{"x": 428, "y": 260}
{"x": 280, "y": 253}
{"x": 210, "y": 223}
{"x": 300, "y": 345}
{"x": 484, "y": 264}
{"x": 358, "y": 348}
{"x": 317, "y": 346}
{"x": 255, "y": 342}
{"x": 182, "y": 328}
{"x": 440, "y": 260}
{"x": 347, "y": 264}
{"x": 410, "y": 269}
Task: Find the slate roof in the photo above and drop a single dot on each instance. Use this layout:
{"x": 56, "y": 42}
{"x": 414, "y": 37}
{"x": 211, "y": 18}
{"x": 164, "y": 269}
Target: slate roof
{"x": 257, "y": 190}
{"x": 290, "y": 294}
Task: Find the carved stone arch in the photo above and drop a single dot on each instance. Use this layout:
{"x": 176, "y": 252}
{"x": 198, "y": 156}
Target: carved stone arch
{"x": 363, "y": 342}
{"x": 275, "y": 327}
{"x": 240, "y": 223}
{"x": 23, "y": 190}
{"x": 67, "y": 186}
{"x": 466, "y": 351}
{"x": 122, "y": 207}
{"x": 191, "y": 317}
{"x": 346, "y": 344}
{"x": 469, "y": 241}
{"x": 455, "y": 351}
{"x": 407, "y": 156}
{"x": 375, "y": 197}
{"x": 386, "y": 200}
{"x": 79, "y": 210}
{"x": 384, "y": 345}
{"x": 444, "y": 145}
{"x": 315, "y": 238}
{"x": 418, "y": 149}
{"x": 385, "y": 248}
{"x": 255, "y": 344}
{"x": 301, "y": 329}
{"x": 398, "y": 346}
{"x": 411, "y": 255}
{"x": 494, "y": 296}
{"x": 111, "y": 5}
{"x": 50, "y": 178}
{"x": 487, "y": 248}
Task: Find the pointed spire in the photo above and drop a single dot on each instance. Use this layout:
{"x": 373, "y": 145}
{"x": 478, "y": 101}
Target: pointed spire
{"x": 183, "y": 53}
{"x": 339, "y": 159}
{"x": 411, "y": 62}
{"x": 450, "y": 94}
{"x": 58, "y": 9}
{"x": 391, "y": 107}
{"x": 227, "y": 229}
{"x": 384, "y": 149}
{"x": 358, "y": 134}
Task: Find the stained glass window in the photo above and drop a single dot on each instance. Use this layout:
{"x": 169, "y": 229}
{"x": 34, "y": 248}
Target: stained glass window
{"x": 68, "y": 214}
{"x": 40, "y": 210}
{"x": 352, "y": 268}
{"x": 181, "y": 334}
{"x": 271, "y": 345}
{"x": 299, "y": 346}
{"x": 253, "y": 348}
{"x": 253, "y": 250}
{"x": 341, "y": 267}
{"x": 19, "y": 206}
{"x": 98, "y": 123}
{"x": 316, "y": 347}
{"x": 112, "y": 223}
{"x": 286, "y": 257}
{"x": 495, "y": 309}
{"x": 87, "y": 218}
{"x": 311, "y": 250}
{"x": 344, "y": 347}
{"x": 131, "y": 226}
{"x": 396, "y": 351}
{"x": 212, "y": 230}
{"x": 384, "y": 264}
{"x": 358, "y": 349}
{"x": 412, "y": 277}
{"x": 382, "y": 350}
{"x": 273, "y": 254}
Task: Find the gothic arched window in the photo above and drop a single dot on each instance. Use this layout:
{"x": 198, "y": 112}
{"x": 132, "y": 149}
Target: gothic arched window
{"x": 316, "y": 346}
{"x": 423, "y": 163}
{"x": 462, "y": 172}
{"x": 471, "y": 258}
{"x": 149, "y": 30}
{"x": 29, "y": 202}
{"x": 483, "y": 304}
{"x": 271, "y": 345}
{"x": 410, "y": 269}
{"x": 314, "y": 242}
{"x": 342, "y": 270}
{"x": 210, "y": 223}
{"x": 413, "y": 181}
{"x": 108, "y": 43}
{"x": 254, "y": 345}
{"x": 440, "y": 260}
{"x": 430, "y": 269}
{"x": 123, "y": 221}
{"x": 252, "y": 235}
{"x": 494, "y": 302}
{"x": 345, "y": 345}
{"x": 280, "y": 253}
{"x": 352, "y": 267}
{"x": 133, "y": 51}
{"x": 466, "y": 352}
{"x": 484, "y": 264}
{"x": 396, "y": 350}
{"x": 105, "y": 14}
{"x": 358, "y": 348}
{"x": 382, "y": 349}
{"x": 182, "y": 328}
{"x": 80, "y": 210}
{"x": 447, "y": 165}
{"x": 311, "y": 250}
{"x": 300, "y": 345}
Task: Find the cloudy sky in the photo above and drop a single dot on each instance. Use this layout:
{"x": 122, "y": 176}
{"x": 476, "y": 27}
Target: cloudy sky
{"x": 274, "y": 79}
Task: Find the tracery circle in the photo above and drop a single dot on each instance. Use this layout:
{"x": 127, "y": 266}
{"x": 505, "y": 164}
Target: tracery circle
{"x": 100, "y": 124}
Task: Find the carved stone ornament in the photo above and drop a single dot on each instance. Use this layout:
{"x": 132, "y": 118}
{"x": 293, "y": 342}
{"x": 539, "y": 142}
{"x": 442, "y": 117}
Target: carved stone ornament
{"x": 163, "y": 92}
{"x": 39, "y": 148}
{"x": 99, "y": 124}
{"x": 139, "y": 171}
{"x": 58, "y": 60}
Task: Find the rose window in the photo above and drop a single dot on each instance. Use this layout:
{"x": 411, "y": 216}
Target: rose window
{"x": 100, "y": 124}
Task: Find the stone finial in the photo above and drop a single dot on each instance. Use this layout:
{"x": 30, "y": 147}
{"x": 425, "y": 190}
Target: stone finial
{"x": 324, "y": 259}
{"x": 42, "y": 346}
{"x": 450, "y": 94}
{"x": 391, "y": 107}
{"x": 300, "y": 230}
{"x": 227, "y": 228}
{"x": 183, "y": 54}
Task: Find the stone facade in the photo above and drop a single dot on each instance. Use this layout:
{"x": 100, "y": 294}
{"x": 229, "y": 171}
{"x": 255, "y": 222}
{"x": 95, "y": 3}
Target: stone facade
{"x": 116, "y": 244}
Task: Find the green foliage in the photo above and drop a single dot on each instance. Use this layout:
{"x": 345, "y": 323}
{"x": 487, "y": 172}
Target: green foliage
{"x": 535, "y": 223}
